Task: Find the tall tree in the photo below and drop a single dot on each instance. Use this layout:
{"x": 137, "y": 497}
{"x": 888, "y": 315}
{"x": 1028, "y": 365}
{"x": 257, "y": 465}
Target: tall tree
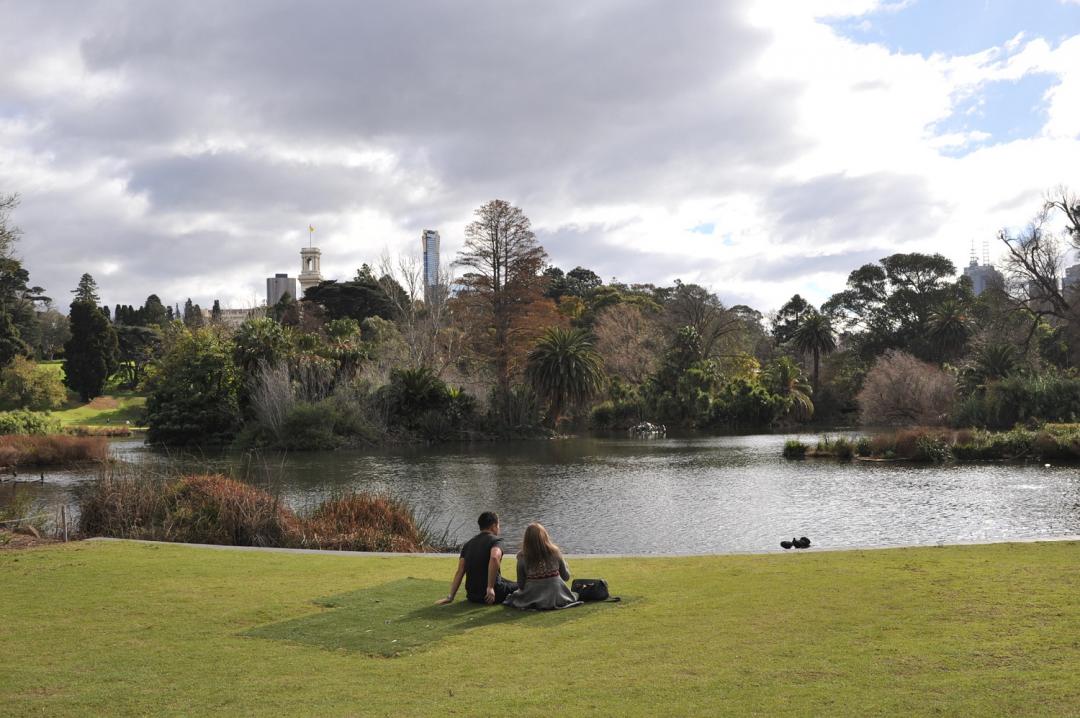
{"x": 815, "y": 336}
{"x": 503, "y": 289}
{"x": 789, "y": 317}
{"x": 215, "y": 313}
{"x": 138, "y": 346}
{"x": 87, "y": 290}
{"x": 565, "y": 370}
{"x": 90, "y": 355}
{"x": 153, "y": 313}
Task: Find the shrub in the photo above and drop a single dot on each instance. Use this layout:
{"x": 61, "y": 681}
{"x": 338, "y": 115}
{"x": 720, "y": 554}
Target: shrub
{"x": 364, "y": 522}
{"x": 863, "y": 447}
{"x": 310, "y": 427}
{"x": 27, "y": 422}
{"x": 51, "y": 450}
{"x": 794, "y": 449}
{"x": 901, "y": 390}
{"x": 24, "y": 385}
{"x": 412, "y": 392}
{"x": 219, "y": 510}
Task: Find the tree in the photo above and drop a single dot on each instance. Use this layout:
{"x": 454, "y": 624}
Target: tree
{"x": 90, "y": 355}
{"x": 215, "y": 312}
{"x": 194, "y": 398}
{"x": 55, "y": 331}
{"x": 193, "y": 317}
{"x": 950, "y": 328}
{"x": 888, "y": 305}
{"x": 138, "y": 346}
{"x": 87, "y": 290}
{"x": 691, "y": 305}
{"x": 9, "y": 233}
{"x": 629, "y": 342}
{"x": 23, "y": 385}
{"x": 358, "y": 299}
{"x": 815, "y": 336}
{"x": 900, "y": 390}
{"x": 153, "y": 313}
{"x": 502, "y": 290}
{"x": 784, "y": 378}
{"x": 565, "y": 370}
{"x": 789, "y": 317}
{"x": 259, "y": 341}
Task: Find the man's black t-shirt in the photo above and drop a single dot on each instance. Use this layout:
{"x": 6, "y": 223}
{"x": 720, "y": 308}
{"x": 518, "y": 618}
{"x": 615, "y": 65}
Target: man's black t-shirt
{"x": 477, "y": 555}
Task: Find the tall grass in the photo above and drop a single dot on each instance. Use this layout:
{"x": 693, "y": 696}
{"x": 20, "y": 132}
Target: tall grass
{"x": 51, "y": 450}
{"x": 218, "y": 510}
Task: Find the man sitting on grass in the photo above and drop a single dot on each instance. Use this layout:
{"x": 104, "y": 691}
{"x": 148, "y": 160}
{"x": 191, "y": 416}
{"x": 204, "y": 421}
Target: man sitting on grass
{"x": 479, "y": 563}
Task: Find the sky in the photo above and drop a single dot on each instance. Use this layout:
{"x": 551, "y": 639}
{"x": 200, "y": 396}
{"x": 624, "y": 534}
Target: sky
{"x": 761, "y": 148}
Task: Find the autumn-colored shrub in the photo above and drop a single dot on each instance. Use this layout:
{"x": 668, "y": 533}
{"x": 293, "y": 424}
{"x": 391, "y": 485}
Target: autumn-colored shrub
{"x": 51, "y": 450}
{"x": 900, "y": 390}
{"x": 364, "y": 522}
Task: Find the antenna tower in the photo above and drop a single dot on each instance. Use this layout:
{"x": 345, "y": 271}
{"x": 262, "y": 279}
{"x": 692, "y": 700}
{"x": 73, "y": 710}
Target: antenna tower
{"x": 986, "y": 253}
{"x": 972, "y": 257}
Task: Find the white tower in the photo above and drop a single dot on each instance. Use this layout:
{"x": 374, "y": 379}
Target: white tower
{"x": 429, "y": 243}
{"x": 310, "y": 274}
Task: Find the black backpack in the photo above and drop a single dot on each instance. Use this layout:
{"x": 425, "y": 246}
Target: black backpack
{"x": 592, "y": 589}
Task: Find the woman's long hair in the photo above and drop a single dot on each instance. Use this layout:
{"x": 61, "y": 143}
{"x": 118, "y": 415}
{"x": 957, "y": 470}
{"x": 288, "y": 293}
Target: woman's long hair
{"x": 537, "y": 548}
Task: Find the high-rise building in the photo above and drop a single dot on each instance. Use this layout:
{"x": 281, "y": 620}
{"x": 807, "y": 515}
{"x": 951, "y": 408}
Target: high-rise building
{"x": 983, "y": 276}
{"x": 429, "y": 242}
{"x": 277, "y": 286}
{"x": 310, "y": 273}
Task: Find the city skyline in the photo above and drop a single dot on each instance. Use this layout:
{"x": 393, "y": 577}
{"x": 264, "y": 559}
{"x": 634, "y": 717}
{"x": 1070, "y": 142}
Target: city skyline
{"x": 767, "y": 150}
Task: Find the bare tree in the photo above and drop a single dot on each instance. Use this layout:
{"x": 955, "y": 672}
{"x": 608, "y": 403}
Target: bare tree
{"x": 1068, "y": 203}
{"x": 272, "y": 396}
{"x": 628, "y": 341}
{"x": 900, "y": 390}
{"x": 423, "y": 316}
{"x": 1033, "y": 268}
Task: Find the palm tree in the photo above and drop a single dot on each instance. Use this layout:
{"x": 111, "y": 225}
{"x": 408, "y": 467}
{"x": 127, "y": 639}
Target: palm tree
{"x": 564, "y": 369}
{"x": 785, "y": 377}
{"x": 815, "y": 336}
{"x": 949, "y": 328}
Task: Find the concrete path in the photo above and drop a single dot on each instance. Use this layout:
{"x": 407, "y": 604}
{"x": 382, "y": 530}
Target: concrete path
{"x": 777, "y": 550}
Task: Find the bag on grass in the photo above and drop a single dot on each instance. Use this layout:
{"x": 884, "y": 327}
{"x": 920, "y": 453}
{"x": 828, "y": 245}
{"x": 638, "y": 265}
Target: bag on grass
{"x": 592, "y": 589}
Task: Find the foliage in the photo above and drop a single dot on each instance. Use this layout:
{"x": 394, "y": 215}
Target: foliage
{"x": 1048, "y": 396}
{"x": 502, "y": 292}
{"x": 789, "y": 318}
{"x": 357, "y": 299}
{"x": 28, "y": 422}
{"x": 194, "y": 397}
{"x": 257, "y": 342}
{"x": 54, "y": 333}
{"x": 899, "y": 389}
{"x": 784, "y": 378}
{"x": 814, "y": 336}
{"x": 413, "y": 392}
{"x": 309, "y": 427}
{"x": 794, "y": 449}
{"x": 24, "y": 385}
{"x": 628, "y": 340}
{"x": 91, "y": 355}
{"x": 137, "y": 346}
{"x": 564, "y": 370}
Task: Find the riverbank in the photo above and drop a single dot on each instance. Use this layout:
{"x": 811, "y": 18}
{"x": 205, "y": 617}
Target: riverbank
{"x": 974, "y": 630}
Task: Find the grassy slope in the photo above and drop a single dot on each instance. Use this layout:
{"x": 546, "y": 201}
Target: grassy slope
{"x": 132, "y": 629}
{"x": 110, "y": 410}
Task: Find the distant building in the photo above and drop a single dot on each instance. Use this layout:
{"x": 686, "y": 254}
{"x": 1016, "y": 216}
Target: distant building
{"x": 278, "y": 286}
{"x": 310, "y": 272}
{"x": 429, "y": 242}
{"x": 983, "y": 276}
{"x": 235, "y": 317}
{"x": 1071, "y": 282}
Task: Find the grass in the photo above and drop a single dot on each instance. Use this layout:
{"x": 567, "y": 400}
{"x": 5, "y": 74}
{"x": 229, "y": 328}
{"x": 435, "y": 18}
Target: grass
{"x": 51, "y": 450}
{"x": 136, "y": 629}
{"x": 109, "y": 410}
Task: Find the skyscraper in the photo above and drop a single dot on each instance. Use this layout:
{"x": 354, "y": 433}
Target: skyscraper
{"x": 279, "y": 285}
{"x": 429, "y": 241}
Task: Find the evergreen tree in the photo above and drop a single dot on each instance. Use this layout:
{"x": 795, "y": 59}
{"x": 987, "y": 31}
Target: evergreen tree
{"x": 105, "y": 311}
{"x": 87, "y": 291}
{"x": 154, "y": 313}
{"x": 118, "y": 314}
{"x": 90, "y": 355}
{"x": 215, "y": 313}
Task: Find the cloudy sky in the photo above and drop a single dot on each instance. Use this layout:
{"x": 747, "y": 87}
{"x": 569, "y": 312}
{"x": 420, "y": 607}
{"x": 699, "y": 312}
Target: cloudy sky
{"x": 761, "y": 148}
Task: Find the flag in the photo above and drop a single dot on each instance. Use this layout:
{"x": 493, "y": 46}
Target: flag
{"x": 310, "y": 228}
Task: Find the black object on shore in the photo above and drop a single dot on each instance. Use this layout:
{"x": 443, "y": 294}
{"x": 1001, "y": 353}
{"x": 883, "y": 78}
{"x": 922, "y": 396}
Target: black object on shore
{"x": 786, "y": 544}
{"x": 796, "y": 543}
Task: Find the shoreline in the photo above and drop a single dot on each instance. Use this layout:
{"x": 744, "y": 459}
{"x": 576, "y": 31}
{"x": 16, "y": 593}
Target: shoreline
{"x": 770, "y": 552}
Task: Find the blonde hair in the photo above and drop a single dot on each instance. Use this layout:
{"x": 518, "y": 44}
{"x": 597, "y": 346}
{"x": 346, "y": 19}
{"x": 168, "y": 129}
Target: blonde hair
{"x": 537, "y": 547}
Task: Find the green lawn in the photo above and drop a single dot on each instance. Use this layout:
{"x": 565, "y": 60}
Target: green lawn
{"x": 102, "y": 628}
{"x": 112, "y": 409}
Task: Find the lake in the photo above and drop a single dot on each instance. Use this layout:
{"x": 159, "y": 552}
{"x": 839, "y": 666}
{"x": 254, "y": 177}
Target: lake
{"x": 675, "y": 495}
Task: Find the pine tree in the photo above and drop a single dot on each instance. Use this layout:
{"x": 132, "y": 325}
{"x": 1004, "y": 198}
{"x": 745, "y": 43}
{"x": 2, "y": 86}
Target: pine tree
{"x": 87, "y": 291}
{"x": 215, "y": 313}
{"x": 90, "y": 355}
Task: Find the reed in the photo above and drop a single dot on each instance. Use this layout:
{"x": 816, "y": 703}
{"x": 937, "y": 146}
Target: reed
{"x": 51, "y": 450}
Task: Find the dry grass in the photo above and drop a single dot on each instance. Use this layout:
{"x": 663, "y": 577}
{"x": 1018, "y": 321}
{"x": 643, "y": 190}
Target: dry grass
{"x": 51, "y": 450}
{"x": 218, "y": 510}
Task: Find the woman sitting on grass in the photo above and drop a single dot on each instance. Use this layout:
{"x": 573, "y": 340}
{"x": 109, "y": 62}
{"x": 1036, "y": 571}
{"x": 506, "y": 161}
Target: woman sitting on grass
{"x": 541, "y": 574}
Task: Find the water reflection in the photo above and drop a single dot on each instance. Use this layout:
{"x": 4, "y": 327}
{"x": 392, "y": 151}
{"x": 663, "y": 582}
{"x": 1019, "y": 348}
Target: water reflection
{"x": 678, "y": 495}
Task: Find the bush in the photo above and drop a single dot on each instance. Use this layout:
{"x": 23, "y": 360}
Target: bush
{"x": 24, "y": 385}
{"x": 52, "y": 450}
{"x": 28, "y": 422}
{"x": 310, "y": 427}
{"x": 1021, "y": 398}
{"x": 794, "y": 449}
{"x": 412, "y": 392}
{"x": 901, "y": 390}
{"x": 364, "y": 522}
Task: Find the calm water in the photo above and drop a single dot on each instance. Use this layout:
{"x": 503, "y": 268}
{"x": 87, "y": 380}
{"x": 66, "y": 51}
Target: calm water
{"x": 693, "y": 495}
